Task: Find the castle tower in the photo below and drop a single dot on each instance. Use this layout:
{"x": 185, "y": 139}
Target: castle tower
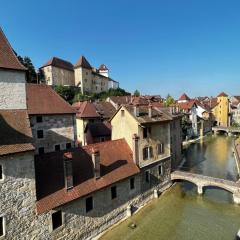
{"x": 12, "y": 77}
{"x": 83, "y": 74}
{"x": 103, "y": 70}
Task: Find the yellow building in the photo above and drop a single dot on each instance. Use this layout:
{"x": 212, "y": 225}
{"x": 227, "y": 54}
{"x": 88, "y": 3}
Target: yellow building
{"x": 147, "y": 132}
{"x": 221, "y": 110}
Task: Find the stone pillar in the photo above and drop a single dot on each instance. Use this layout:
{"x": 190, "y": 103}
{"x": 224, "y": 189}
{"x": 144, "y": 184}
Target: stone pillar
{"x": 236, "y": 198}
{"x": 200, "y": 189}
{"x": 155, "y": 193}
{"x": 129, "y": 211}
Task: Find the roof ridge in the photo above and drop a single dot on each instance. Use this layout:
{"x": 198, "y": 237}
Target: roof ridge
{"x": 11, "y": 49}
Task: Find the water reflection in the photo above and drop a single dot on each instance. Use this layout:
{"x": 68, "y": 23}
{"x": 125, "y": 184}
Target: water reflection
{"x": 212, "y": 157}
{"x": 182, "y": 214}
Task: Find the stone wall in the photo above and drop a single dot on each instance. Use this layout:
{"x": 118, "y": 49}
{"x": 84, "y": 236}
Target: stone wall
{"x": 17, "y": 203}
{"x": 12, "y": 88}
{"x": 57, "y": 129}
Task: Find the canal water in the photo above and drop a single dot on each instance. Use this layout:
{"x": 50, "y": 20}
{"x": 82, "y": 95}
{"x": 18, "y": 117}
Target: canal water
{"x": 181, "y": 214}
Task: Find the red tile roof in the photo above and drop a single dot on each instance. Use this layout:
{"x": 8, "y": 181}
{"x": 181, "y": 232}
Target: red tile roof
{"x": 83, "y": 62}
{"x": 8, "y": 58}
{"x": 85, "y": 110}
{"x": 184, "y": 97}
{"x": 60, "y": 63}
{"x": 222, "y": 94}
{"x": 15, "y": 132}
{"x": 186, "y": 105}
{"x": 42, "y": 99}
{"x": 105, "y": 109}
{"x": 116, "y": 164}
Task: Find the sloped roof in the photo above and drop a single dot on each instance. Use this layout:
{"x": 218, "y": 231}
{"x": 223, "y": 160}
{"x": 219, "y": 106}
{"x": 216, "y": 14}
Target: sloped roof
{"x": 15, "y": 132}
{"x": 8, "y": 59}
{"x": 184, "y": 97}
{"x": 116, "y": 164}
{"x": 85, "y": 110}
{"x": 42, "y": 99}
{"x": 105, "y": 109}
{"x": 186, "y": 105}
{"x": 83, "y": 62}
{"x": 99, "y": 129}
{"x": 143, "y": 117}
{"x": 103, "y": 67}
{"x": 222, "y": 94}
{"x": 60, "y": 63}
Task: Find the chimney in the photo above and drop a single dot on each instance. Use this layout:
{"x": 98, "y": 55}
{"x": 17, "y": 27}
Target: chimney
{"x": 96, "y": 162}
{"x": 68, "y": 170}
{"x": 150, "y": 110}
{"x": 136, "y": 110}
{"x": 135, "y": 149}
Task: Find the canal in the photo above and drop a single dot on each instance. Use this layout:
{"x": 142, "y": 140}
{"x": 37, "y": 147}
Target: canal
{"x": 180, "y": 214}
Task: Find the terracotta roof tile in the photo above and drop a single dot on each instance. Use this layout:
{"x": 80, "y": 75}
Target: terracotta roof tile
{"x": 105, "y": 109}
{"x": 116, "y": 164}
{"x": 15, "y": 132}
{"x": 222, "y": 94}
{"x": 60, "y": 63}
{"x": 8, "y": 58}
{"x": 184, "y": 97}
{"x": 186, "y": 105}
{"x": 42, "y": 99}
{"x": 85, "y": 110}
{"x": 83, "y": 62}
{"x": 143, "y": 117}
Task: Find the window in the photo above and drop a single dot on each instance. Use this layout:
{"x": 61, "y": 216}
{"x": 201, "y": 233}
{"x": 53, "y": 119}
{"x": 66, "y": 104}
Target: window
{"x": 132, "y": 183}
{"x": 86, "y": 73}
{"x": 147, "y": 176}
{"x": 122, "y": 113}
{"x": 147, "y": 153}
{"x": 85, "y": 80}
{"x": 160, "y": 148}
{"x": 146, "y": 132}
{"x": 1, "y": 172}
{"x": 68, "y": 145}
{"x": 160, "y": 170}
{"x": 57, "y": 219}
{"x": 39, "y": 119}
{"x": 89, "y": 204}
{"x": 57, "y": 147}
{"x": 102, "y": 139}
{"x": 114, "y": 192}
{"x": 41, "y": 150}
{"x": 40, "y": 133}
{"x": 2, "y": 230}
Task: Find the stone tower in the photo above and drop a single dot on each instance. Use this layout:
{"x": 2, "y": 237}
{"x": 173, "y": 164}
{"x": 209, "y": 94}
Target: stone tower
{"x": 83, "y": 75}
{"x": 12, "y": 77}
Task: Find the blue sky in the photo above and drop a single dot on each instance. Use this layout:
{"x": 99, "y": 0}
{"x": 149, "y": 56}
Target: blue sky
{"x": 158, "y": 47}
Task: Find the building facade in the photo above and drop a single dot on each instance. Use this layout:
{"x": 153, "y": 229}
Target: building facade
{"x": 53, "y": 125}
{"x": 83, "y": 76}
{"x": 58, "y": 72}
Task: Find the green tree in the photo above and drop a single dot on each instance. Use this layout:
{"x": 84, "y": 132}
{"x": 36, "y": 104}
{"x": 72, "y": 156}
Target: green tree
{"x": 65, "y": 92}
{"x": 31, "y": 73}
{"x": 169, "y": 100}
{"x": 136, "y": 93}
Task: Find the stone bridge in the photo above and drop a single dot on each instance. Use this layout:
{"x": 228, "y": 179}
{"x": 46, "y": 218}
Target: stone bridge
{"x": 202, "y": 181}
{"x": 228, "y": 130}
